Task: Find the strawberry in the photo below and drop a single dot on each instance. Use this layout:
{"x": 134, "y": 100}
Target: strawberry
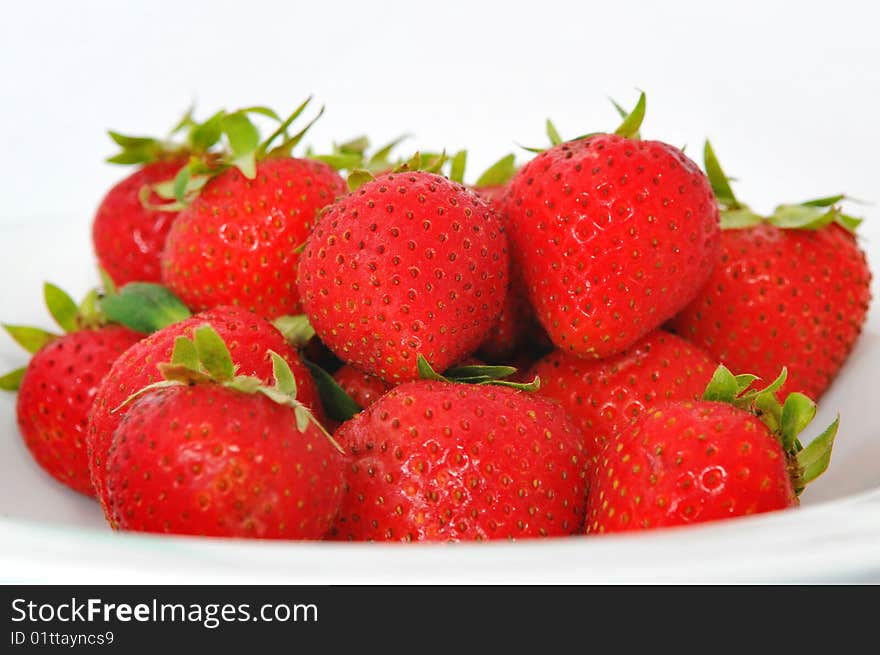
{"x": 363, "y": 388}
{"x": 605, "y": 396}
{"x": 58, "y": 386}
{"x": 736, "y": 452}
{"x": 516, "y": 328}
{"x": 127, "y": 234}
{"x": 410, "y": 263}
{"x": 236, "y": 243}
{"x": 440, "y": 461}
{"x": 248, "y": 336}
{"x": 205, "y": 452}
{"x": 791, "y": 288}
{"x": 613, "y": 236}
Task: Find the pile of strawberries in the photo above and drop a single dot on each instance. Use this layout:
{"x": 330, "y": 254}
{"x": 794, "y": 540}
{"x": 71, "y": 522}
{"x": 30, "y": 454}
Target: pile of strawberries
{"x": 594, "y": 341}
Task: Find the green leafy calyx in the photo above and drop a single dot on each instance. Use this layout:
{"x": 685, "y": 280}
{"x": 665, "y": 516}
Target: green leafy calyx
{"x": 477, "y": 374}
{"x": 205, "y": 359}
{"x": 785, "y": 420}
{"x": 809, "y": 215}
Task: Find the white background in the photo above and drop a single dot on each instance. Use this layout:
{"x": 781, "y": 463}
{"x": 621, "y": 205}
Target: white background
{"x": 788, "y": 91}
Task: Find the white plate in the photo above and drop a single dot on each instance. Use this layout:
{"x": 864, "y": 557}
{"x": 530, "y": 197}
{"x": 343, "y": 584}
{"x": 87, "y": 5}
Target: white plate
{"x": 51, "y": 534}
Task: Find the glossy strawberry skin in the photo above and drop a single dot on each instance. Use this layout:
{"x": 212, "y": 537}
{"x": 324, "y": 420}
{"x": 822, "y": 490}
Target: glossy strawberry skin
{"x": 206, "y": 460}
{"x": 56, "y": 394}
{"x": 435, "y": 461}
{"x": 129, "y": 238}
{"x": 409, "y": 264}
{"x": 248, "y": 338}
{"x": 793, "y": 298}
{"x": 363, "y": 388}
{"x": 606, "y": 396}
{"x": 613, "y": 236}
{"x": 235, "y": 244}
{"x": 516, "y": 328}
{"x": 687, "y": 462}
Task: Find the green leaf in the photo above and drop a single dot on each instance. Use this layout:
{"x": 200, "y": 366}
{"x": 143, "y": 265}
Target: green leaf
{"x": 107, "y": 282}
{"x": 797, "y": 412}
{"x": 380, "y": 157}
{"x": 457, "y": 166}
{"x": 244, "y": 139}
{"x": 12, "y": 380}
{"x": 185, "y": 354}
{"x": 744, "y": 381}
{"x": 356, "y": 146}
{"x": 553, "y": 133}
{"x": 847, "y": 222}
{"x": 498, "y": 173}
{"x": 241, "y": 133}
{"x": 426, "y": 371}
{"x": 181, "y": 182}
{"x": 337, "y": 403}
{"x": 30, "y": 338}
{"x": 296, "y": 329}
{"x": 777, "y": 384}
{"x": 630, "y": 126}
{"x": 247, "y": 384}
{"x": 340, "y": 161}
{"x": 828, "y": 201}
{"x": 282, "y": 129}
{"x": 126, "y": 141}
{"x": 461, "y": 373}
{"x": 263, "y": 111}
{"x": 213, "y": 354}
{"x": 208, "y": 133}
{"x": 61, "y": 306}
{"x": 144, "y": 307}
{"x": 285, "y": 381}
{"x": 303, "y": 418}
{"x": 88, "y": 313}
{"x": 723, "y": 387}
{"x": 814, "y": 459}
{"x": 802, "y": 217}
{"x": 357, "y": 178}
{"x": 287, "y": 146}
{"x": 186, "y": 122}
{"x": 534, "y": 385}
{"x": 719, "y": 181}
{"x": 737, "y": 219}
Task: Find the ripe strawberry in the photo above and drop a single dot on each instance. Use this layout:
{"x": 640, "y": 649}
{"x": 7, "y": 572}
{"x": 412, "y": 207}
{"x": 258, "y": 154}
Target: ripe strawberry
{"x": 363, "y": 388}
{"x": 439, "y": 461}
{"x": 693, "y": 461}
{"x": 791, "y": 288}
{"x": 604, "y": 397}
{"x": 613, "y": 236}
{"x": 56, "y": 390}
{"x": 218, "y": 455}
{"x": 410, "y": 263}
{"x": 248, "y": 336}
{"x": 129, "y": 236}
{"x": 236, "y": 243}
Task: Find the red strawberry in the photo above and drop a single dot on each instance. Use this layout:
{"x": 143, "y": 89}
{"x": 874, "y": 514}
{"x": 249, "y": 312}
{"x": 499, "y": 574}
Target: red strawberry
{"x": 606, "y": 396}
{"x": 363, "y": 388}
{"x": 613, "y": 236}
{"x": 410, "y": 263}
{"x": 129, "y": 236}
{"x": 236, "y": 243}
{"x": 248, "y": 336}
{"x": 442, "y": 461}
{"x": 792, "y": 288}
{"x": 56, "y": 390}
{"x": 220, "y": 455}
{"x": 693, "y": 461}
